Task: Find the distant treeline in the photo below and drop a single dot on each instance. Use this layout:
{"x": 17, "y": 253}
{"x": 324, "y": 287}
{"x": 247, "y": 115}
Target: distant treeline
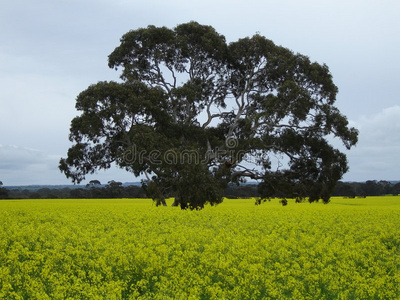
{"x": 93, "y": 190}
{"x": 343, "y": 189}
{"x": 368, "y": 188}
{"x": 118, "y": 190}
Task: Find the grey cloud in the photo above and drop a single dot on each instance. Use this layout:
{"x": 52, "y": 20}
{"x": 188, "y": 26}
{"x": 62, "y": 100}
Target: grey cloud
{"x": 25, "y": 166}
{"x": 19, "y": 164}
{"x": 377, "y": 155}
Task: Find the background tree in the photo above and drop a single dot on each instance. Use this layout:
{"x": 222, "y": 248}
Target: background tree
{"x": 3, "y": 191}
{"x": 194, "y": 113}
{"x": 396, "y": 189}
{"x": 386, "y": 187}
{"x": 345, "y": 190}
{"x": 114, "y": 189}
{"x": 93, "y": 184}
{"x": 372, "y": 188}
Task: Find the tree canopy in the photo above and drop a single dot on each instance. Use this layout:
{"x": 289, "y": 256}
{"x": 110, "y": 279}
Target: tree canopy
{"x": 193, "y": 113}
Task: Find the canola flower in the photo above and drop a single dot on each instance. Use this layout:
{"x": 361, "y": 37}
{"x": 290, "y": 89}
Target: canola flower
{"x": 130, "y": 249}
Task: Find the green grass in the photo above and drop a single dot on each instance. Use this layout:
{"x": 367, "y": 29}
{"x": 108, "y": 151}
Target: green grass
{"x": 130, "y": 249}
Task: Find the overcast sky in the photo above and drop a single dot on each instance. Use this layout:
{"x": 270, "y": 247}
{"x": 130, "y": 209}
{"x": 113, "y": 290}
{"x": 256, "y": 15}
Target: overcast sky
{"x": 50, "y": 50}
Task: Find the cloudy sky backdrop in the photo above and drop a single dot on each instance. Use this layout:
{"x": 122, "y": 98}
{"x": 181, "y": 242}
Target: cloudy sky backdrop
{"x": 50, "y": 50}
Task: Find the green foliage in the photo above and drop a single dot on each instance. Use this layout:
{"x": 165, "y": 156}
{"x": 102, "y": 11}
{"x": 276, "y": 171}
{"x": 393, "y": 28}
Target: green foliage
{"x": 194, "y": 113}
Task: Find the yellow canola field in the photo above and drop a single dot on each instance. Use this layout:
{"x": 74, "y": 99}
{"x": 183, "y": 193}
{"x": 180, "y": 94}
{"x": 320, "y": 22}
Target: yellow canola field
{"x": 130, "y": 249}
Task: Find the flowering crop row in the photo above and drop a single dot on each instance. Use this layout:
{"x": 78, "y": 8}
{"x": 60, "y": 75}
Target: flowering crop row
{"x": 129, "y": 249}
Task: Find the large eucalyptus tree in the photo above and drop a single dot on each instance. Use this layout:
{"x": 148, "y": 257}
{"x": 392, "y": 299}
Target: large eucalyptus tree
{"x": 193, "y": 113}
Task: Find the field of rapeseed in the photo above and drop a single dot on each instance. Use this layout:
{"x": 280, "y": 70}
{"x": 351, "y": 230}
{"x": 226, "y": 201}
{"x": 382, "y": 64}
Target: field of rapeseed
{"x": 130, "y": 249}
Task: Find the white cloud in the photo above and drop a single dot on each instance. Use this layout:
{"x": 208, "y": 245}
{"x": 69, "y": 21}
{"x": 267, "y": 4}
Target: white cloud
{"x": 382, "y": 129}
{"x": 377, "y": 154}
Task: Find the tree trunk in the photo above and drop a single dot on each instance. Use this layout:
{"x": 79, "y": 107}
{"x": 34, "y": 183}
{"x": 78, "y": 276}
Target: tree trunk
{"x": 183, "y": 205}
{"x": 161, "y": 201}
{"x": 176, "y": 202}
{"x": 180, "y": 202}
